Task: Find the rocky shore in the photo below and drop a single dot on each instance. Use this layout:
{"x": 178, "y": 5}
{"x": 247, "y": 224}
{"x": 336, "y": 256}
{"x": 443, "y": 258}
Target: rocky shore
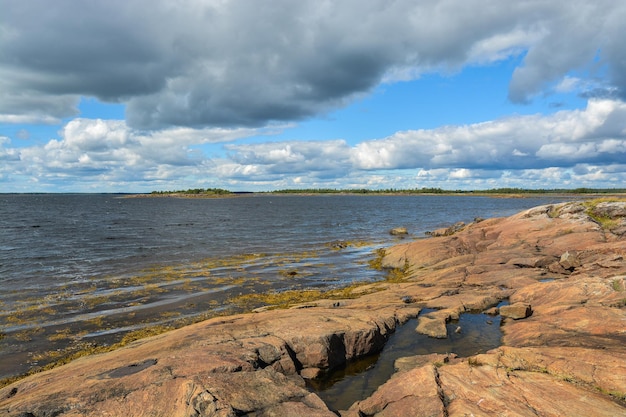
{"x": 562, "y": 269}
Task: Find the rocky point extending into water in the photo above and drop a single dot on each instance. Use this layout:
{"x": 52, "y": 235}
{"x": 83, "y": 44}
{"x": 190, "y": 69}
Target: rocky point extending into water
{"x": 562, "y": 269}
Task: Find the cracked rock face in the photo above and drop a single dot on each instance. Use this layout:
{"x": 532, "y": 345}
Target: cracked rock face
{"x": 565, "y": 355}
{"x": 563, "y": 350}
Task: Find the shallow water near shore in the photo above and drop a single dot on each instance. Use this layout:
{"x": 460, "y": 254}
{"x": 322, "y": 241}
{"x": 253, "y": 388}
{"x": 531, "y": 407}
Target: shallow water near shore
{"x": 358, "y": 380}
{"x": 83, "y": 271}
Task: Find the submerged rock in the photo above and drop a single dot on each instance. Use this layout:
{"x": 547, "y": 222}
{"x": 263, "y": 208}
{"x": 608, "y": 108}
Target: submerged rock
{"x": 432, "y": 327}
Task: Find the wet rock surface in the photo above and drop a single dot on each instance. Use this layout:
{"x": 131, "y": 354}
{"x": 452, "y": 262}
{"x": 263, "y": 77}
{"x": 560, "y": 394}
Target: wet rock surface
{"x": 563, "y": 353}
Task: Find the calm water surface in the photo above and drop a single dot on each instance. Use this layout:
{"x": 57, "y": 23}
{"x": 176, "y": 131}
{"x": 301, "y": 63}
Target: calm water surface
{"x": 361, "y": 378}
{"x": 83, "y": 270}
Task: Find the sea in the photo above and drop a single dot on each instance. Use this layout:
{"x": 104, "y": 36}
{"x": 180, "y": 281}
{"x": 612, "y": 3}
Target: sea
{"x": 82, "y": 271}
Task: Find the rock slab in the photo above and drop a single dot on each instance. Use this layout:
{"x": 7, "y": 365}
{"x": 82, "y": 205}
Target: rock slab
{"x": 563, "y": 350}
{"x": 516, "y": 311}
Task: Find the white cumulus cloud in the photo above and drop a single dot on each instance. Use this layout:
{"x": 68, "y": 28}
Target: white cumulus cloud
{"x": 596, "y": 132}
{"x": 573, "y": 148}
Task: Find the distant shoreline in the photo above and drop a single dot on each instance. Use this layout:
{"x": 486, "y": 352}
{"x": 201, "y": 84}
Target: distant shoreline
{"x": 497, "y": 193}
{"x": 526, "y": 194}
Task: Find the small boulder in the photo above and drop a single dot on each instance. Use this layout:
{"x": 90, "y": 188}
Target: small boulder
{"x": 399, "y": 231}
{"x": 310, "y": 373}
{"x": 407, "y": 299}
{"x": 269, "y": 353}
{"x": 569, "y": 261}
{"x": 516, "y": 311}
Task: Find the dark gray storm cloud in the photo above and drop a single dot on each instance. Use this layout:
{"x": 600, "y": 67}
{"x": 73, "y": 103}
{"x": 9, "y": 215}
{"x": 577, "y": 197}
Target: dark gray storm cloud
{"x": 247, "y": 63}
{"x": 579, "y": 35}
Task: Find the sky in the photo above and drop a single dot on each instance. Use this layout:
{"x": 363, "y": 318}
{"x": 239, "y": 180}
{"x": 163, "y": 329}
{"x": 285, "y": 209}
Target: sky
{"x": 254, "y": 95}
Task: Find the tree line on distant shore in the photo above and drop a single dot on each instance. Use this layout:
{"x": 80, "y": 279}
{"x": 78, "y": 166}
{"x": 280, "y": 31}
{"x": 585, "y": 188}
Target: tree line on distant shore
{"x": 424, "y": 190}
{"x": 196, "y": 191}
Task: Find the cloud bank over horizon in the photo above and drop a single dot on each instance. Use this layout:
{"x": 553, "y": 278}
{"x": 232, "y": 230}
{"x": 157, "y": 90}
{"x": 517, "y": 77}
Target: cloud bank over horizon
{"x": 195, "y": 74}
{"x": 571, "y": 148}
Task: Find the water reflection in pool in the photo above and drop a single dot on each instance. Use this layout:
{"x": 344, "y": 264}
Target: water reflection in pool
{"x": 359, "y": 379}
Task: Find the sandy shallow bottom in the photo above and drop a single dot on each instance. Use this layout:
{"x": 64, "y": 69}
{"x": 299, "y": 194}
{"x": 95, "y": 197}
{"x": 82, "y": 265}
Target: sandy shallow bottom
{"x": 91, "y": 314}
